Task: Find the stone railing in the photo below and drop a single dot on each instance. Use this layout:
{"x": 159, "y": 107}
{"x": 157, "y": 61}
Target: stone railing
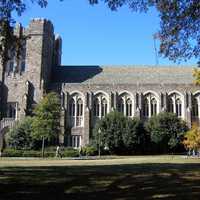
{"x": 4, "y": 124}
{"x": 7, "y": 122}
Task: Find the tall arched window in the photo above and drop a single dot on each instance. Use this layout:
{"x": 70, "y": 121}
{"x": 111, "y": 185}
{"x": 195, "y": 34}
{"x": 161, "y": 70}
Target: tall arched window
{"x": 72, "y": 108}
{"x": 79, "y": 107}
{"x": 178, "y": 108}
{"x": 153, "y": 106}
{"x": 146, "y": 108}
{"x": 171, "y": 105}
{"x": 121, "y": 105}
{"x": 96, "y": 108}
{"x": 104, "y": 107}
{"x": 195, "y": 108}
{"x": 125, "y": 105}
{"x": 100, "y": 106}
{"x": 79, "y": 112}
{"x": 150, "y": 105}
{"x": 76, "y": 111}
{"x": 128, "y": 107}
{"x": 175, "y": 104}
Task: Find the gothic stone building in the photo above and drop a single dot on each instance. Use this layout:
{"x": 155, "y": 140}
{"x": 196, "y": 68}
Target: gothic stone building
{"x": 88, "y": 93}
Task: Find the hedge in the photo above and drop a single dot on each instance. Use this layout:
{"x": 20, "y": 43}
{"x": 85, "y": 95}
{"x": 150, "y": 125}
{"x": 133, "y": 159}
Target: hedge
{"x": 65, "y": 152}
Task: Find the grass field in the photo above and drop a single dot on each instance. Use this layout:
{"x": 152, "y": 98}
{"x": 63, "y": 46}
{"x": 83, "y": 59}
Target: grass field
{"x": 141, "y": 177}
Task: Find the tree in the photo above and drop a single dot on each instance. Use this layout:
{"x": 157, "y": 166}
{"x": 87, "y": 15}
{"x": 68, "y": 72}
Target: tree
{"x": 179, "y": 24}
{"x": 46, "y": 120}
{"x": 20, "y": 137}
{"x": 192, "y": 138}
{"x": 118, "y": 133}
{"x": 166, "y": 131}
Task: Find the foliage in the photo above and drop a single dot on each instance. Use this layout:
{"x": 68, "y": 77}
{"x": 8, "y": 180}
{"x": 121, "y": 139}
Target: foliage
{"x": 88, "y": 151}
{"x": 166, "y": 131}
{"x": 179, "y": 24}
{"x": 118, "y": 133}
{"x": 70, "y": 152}
{"x": 20, "y": 136}
{"x": 196, "y": 75}
{"x": 46, "y": 122}
{"x": 66, "y": 152}
{"x": 192, "y": 138}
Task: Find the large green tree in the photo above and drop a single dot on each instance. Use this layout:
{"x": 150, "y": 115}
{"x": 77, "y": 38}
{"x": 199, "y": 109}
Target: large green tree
{"x": 166, "y": 131}
{"x": 46, "y": 120}
{"x": 119, "y": 134}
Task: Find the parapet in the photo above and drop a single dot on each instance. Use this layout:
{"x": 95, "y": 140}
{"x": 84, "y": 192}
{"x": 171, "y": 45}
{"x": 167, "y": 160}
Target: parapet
{"x": 40, "y": 26}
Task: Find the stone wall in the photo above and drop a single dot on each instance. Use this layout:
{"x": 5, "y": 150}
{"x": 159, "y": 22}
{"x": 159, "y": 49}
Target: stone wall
{"x": 136, "y": 90}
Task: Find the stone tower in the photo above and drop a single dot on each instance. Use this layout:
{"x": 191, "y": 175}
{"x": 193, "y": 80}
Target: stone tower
{"x": 39, "y": 55}
{"x": 26, "y": 81}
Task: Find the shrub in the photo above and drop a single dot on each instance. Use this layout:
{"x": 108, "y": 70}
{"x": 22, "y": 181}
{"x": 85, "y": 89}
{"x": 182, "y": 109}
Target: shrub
{"x": 119, "y": 134}
{"x": 70, "y": 152}
{"x": 88, "y": 151}
{"x": 12, "y": 152}
{"x": 20, "y": 136}
{"x": 66, "y": 152}
{"x": 166, "y": 132}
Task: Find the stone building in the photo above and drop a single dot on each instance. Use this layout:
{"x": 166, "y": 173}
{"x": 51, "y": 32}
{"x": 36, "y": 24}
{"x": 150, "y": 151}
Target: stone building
{"x": 88, "y": 93}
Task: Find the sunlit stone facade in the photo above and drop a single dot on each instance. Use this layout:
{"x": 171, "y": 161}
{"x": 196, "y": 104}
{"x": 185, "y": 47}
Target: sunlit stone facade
{"x": 88, "y": 93}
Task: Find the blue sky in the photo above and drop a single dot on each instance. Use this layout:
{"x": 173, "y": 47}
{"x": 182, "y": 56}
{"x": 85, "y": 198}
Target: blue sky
{"x": 94, "y": 35}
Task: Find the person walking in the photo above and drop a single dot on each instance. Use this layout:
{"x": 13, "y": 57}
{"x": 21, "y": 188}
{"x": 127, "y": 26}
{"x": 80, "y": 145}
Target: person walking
{"x": 58, "y": 153}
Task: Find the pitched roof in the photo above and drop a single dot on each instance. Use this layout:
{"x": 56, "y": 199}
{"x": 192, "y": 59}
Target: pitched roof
{"x": 124, "y": 74}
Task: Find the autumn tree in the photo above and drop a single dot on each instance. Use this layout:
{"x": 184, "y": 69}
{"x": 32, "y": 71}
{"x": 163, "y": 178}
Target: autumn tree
{"x": 192, "y": 138}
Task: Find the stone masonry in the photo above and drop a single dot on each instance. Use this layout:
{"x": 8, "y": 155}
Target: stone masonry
{"x": 88, "y": 93}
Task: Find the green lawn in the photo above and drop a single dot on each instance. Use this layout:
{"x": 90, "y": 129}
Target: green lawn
{"x": 142, "y": 177}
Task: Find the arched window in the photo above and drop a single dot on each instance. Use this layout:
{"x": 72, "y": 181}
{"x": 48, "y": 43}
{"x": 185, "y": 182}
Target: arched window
{"x": 100, "y": 106}
{"x": 178, "y": 108}
{"x": 175, "y": 104}
{"x": 96, "y": 108}
{"x": 121, "y": 105}
{"x": 79, "y": 107}
{"x": 125, "y": 105}
{"x": 72, "y": 108}
{"x": 153, "y": 106}
{"x": 146, "y": 108}
{"x": 195, "y": 109}
{"x": 76, "y": 111}
{"x": 129, "y": 108}
{"x": 171, "y": 105}
{"x": 104, "y": 107}
{"x": 150, "y": 105}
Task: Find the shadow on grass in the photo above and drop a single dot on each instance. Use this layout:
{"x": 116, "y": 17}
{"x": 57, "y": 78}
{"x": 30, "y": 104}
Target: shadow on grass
{"x": 131, "y": 181}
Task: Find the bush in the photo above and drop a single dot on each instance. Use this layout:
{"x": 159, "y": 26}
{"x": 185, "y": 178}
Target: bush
{"x": 70, "y": 152}
{"x": 20, "y": 136}
{"x": 66, "y": 152}
{"x": 166, "y": 132}
{"x": 12, "y": 153}
{"x": 88, "y": 151}
{"x": 119, "y": 134}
